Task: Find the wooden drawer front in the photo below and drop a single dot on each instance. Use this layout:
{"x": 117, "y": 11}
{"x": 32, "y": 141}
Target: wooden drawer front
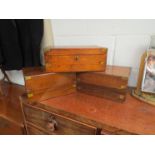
{"x": 31, "y": 130}
{"x": 76, "y": 63}
{"x": 50, "y": 81}
{"x": 10, "y": 128}
{"x": 57, "y": 124}
{"x": 100, "y": 79}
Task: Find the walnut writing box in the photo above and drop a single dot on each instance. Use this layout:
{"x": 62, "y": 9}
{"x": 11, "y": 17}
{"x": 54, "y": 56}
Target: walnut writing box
{"x": 41, "y": 85}
{"x": 75, "y": 59}
{"x": 111, "y": 84}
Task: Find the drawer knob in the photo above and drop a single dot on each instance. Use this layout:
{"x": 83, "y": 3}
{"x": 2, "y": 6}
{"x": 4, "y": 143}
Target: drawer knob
{"x": 52, "y": 124}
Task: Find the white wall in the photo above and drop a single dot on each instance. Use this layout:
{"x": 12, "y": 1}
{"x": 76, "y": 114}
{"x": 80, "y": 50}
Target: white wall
{"x": 125, "y": 39}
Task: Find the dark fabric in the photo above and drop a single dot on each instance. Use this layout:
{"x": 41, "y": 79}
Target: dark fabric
{"x": 20, "y": 43}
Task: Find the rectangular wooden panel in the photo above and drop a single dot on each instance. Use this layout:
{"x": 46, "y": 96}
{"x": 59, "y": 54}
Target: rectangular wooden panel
{"x": 56, "y": 124}
{"x": 108, "y": 93}
{"x": 10, "y": 128}
{"x": 113, "y": 77}
{"x": 41, "y": 85}
{"x": 31, "y": 130}
{"x": 75, "y": 59}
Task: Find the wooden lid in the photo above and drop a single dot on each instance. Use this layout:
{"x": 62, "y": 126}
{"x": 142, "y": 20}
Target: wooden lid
{"x": 76, "y": 50}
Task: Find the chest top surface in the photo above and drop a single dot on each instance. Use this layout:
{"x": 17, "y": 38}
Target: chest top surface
{"x": 133, "y": 115}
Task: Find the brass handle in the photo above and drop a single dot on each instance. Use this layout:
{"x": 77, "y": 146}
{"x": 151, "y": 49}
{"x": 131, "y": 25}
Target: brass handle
{"x": 52, "y": 124}
{"x": 76, "y": 58}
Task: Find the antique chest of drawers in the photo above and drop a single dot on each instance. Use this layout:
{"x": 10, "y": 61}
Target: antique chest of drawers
{"x": 79, "y": 113}
{"x": 41, "y": 85}
{"x": 75, "y": 59}
{"x": 111, "y": 84}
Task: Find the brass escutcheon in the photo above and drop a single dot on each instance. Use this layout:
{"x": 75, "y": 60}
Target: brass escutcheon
{"x": 76, "y": 58}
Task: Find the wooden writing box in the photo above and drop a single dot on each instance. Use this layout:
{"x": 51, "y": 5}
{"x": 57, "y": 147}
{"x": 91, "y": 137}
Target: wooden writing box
{"x": 75, "y": 59}
{"x": 41, "y": 85}
{"x": 111, "y": 84}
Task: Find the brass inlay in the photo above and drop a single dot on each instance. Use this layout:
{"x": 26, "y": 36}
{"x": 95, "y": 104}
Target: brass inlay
{"x": 27, "y": 77}
{"x": 122, "y": 87}
{"x": 101, "y": 62}
{"x": 30, "y": 95}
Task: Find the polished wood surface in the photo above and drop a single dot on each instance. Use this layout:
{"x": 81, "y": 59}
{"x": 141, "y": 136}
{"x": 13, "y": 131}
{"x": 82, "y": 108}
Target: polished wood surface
{"x": 75, "y": 59}
{"x": 41, "y": 85}
{"x": 133, "y": 116}
{"x": 11, "y": 120}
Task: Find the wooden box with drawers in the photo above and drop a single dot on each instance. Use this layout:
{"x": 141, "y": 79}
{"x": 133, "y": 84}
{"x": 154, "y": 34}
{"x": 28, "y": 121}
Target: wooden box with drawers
{"x": 41, "y": 85}
{"x": 111, "y": 84}
{"x": 75, "y": 59}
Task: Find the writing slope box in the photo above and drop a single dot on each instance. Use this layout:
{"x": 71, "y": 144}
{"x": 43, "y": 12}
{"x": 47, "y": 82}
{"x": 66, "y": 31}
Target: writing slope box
{"x": 41, "y": 85}
{"x": 75, "y": 59}
{"x": 111, "y": 84}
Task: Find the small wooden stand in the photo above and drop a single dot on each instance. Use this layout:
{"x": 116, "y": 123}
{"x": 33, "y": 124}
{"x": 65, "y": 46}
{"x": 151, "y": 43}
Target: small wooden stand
{"x": 143, "y": 96}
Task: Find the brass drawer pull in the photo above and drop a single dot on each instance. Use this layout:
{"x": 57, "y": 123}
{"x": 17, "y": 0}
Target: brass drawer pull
{"x": 52, "y": 124}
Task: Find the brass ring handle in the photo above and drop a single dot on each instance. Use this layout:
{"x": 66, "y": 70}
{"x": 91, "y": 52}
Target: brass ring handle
{"x": 52, "y": 124}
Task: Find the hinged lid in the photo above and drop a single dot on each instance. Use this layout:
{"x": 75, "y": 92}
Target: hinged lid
{"x": 76, "y": 51}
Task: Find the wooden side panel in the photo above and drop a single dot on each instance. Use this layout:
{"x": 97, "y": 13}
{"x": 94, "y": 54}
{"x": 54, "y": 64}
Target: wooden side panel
{"x": 108, "y": 93}
{"x": 114, "y": 77}
{"x": 48, "y": 81}
{"x": 50, "y": 93}
{"x": 104, "y": 80}
{"x": 10, "y": 128}
{"x": 63, "y": 125}
{"x": 76, "y": 63}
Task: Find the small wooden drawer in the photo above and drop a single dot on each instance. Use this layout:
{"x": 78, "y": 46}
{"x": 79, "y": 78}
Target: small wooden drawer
{"x": 57, "y": 124}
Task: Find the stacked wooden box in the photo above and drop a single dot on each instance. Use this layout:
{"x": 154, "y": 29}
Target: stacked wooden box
{"x": 77, "y": 69}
